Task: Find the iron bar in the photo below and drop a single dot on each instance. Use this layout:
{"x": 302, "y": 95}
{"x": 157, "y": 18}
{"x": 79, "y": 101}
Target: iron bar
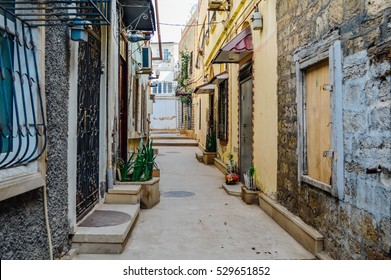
{"x": 95, "y": 8}
{"x": 25, "y": 106}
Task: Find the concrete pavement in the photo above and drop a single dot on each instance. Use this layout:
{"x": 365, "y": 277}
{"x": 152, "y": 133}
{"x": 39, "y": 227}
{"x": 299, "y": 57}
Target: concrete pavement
{"x": 197, "y": 219}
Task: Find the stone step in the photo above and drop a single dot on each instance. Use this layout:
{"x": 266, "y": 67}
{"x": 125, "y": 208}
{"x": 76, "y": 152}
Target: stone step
{"x": 123, "y": 193}
{"x": 106, "y": 229}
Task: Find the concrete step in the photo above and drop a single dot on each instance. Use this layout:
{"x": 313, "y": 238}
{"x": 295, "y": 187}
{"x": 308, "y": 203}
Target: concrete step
{"x": 123, "y": 193}
{"x": 235, "y": 189}
{"x": 106, "y": 229}
{"x": 324, "y": 256}
{"x": 174, "y": 142}
{"x": 164, "y": 131}
{"x": 170, "y": 137}
{"x": 307, "y": 236}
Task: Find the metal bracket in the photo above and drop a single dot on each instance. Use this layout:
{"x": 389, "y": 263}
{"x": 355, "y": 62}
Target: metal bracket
{"x": 329, "y": 154}
{"x": 327, "y": 87}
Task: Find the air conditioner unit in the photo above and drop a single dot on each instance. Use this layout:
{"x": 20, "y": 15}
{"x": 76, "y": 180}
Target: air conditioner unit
{"x": 146, "y": 62}
{"x": 215, "y": 5}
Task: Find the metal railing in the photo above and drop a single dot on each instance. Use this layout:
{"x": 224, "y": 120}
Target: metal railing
{"x": 59, "y": 12}
{"x": 22, "y": 119}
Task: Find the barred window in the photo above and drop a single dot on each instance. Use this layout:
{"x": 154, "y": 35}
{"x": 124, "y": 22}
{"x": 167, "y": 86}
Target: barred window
{"x": 164, "y": 87}
{"x": 166, "y": 54}
{"x": 22, "y": 123}
{"x": 223, "y": 112}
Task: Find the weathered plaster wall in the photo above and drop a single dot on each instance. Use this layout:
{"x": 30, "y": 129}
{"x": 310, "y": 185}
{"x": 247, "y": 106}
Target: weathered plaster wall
{"x": 265, "y": 100}
{"x": 57, "y": 100}
{"x": 358, "y": 225}
{"x": 23, "y": 232}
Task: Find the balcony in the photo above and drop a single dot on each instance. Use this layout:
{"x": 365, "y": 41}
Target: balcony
{"x": 57, "y": 12}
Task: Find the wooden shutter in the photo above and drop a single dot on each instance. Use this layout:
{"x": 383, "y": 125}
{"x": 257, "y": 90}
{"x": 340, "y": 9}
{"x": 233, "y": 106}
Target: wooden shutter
{"x": 318, "y": 122}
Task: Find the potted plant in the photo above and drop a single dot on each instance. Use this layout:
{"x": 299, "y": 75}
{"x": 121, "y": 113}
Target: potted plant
{"x": 211, "y": 147}
{"x": 138, "y": 170}
{"x": 249, "y": 189}
{"x": 231, "y": 176}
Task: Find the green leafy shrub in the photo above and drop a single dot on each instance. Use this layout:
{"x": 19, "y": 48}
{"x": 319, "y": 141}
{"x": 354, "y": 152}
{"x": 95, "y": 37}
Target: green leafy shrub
{"x": 140, "y": 168}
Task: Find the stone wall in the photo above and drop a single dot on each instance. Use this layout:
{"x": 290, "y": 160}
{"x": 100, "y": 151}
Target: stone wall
{"x": 358, "y": 226}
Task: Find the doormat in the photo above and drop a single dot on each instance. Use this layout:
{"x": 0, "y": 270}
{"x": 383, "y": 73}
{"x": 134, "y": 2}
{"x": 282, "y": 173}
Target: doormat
{"x": 103, "y": 218}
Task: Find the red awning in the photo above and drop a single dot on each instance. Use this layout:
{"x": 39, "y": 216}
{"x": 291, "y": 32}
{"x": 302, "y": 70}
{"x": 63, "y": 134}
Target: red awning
{"x": 237, "y": 49}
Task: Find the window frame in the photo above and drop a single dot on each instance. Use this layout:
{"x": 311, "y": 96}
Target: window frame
{"x": 15, "y": 180}
{"x": 223, "y": 109}
{"x": 334, "y": 56}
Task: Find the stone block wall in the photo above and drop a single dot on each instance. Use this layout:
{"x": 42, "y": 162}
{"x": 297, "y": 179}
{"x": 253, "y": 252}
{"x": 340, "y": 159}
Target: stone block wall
{"x": 358, "y": 226}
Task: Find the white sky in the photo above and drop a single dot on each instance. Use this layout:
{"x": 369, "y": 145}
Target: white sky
{"x": 173, "y": 12}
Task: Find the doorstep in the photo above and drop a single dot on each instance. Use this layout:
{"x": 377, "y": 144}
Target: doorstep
{"x": 235, "y": 189}
{"x": 124, "y": 193}
{"x": 105, "y": 239}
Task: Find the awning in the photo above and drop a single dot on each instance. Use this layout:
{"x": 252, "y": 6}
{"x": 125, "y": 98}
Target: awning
{"x": 207, "y": 88}
{"x": 237, "y": 49}
{"x": 219, "y": 78}
{"x": 139, "y": 15}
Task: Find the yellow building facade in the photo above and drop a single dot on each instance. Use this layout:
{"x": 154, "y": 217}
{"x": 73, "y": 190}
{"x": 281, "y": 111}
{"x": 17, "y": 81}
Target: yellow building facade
{"x": 236, "y": 85}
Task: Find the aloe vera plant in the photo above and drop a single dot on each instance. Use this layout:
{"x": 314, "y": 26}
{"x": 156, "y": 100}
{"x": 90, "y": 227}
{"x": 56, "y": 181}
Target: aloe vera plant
{"x": 144, "y": 162}
{"x": 125, "y": 167}
{"x": 138, "y": 168}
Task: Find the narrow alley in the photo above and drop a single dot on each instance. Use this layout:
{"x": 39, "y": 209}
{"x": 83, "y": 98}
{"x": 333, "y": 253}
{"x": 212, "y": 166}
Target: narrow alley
{"x": 197, "y": 219}
{"x": 195, "y": 130}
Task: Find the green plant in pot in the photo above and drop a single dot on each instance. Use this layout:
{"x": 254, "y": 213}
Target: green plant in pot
{"x": 124, "y": 168}
{"x": 211, "y": 145}
{"x": 249, "y": 190}
{"x": 138, "y": 167}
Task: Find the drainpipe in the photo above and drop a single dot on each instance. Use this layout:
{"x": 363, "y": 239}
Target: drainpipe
{"x": 109, "y": 170}
{"x": 158, "y": 33}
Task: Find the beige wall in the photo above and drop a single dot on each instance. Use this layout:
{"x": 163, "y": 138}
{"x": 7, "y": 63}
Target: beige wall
{"x": 264, "y": 84}
{"x": 265, "y": 100}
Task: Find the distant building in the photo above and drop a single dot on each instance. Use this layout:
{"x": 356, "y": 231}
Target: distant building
{"x": 185, "y": 77}
{"x": 165, "y": 107}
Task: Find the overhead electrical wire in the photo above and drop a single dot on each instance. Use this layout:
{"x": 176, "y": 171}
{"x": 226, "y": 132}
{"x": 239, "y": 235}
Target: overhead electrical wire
{"x": 190, "y": 25}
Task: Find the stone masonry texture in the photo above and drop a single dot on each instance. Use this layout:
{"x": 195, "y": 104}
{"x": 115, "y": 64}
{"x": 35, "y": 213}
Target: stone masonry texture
{"x": 359, "y": 225}
{"x": 57, "y": 91}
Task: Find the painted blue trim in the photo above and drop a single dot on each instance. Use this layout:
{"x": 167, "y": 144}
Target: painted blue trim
{"x": 338, "y": 92}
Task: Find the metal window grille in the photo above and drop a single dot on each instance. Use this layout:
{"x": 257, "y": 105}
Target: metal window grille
{"x": 22, "y": 120}
{"x": 165, "y": 54}
{"x": 159, "y": 87}
{"x": 223, "y": 111}
{"x": 164, "y": 87}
